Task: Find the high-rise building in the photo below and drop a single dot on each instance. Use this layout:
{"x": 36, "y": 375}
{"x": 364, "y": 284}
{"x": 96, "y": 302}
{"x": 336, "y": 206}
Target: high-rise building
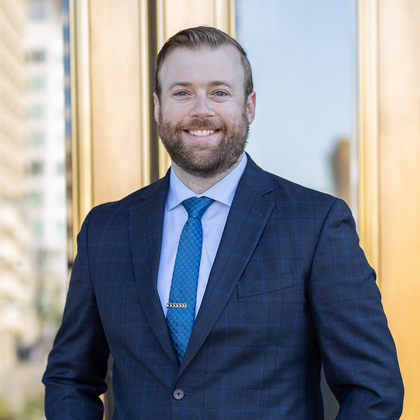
{"x": 18, "y": 323}
{"x": 33, "y": 260}
{"x": 45, "y": 157}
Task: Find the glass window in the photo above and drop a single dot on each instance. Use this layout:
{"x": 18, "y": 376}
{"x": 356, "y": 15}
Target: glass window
{"x": 40, "y": 258}
{"x": 36, "y": 198}
{"x": 35, "y": 138}
{"x": 38, "y": 229}
{"x": 37, "y": 9}
{"x": 60, "y": 168}
{"x": 36, "y": 111}
{"x": 303, "y": 59}
{"x": 61, "y": 198}
{"x": 36, "y": 56}
{"x": 36, "y": 168}
{"x": 37, "y": 83}
{"x": 60, "y": 229}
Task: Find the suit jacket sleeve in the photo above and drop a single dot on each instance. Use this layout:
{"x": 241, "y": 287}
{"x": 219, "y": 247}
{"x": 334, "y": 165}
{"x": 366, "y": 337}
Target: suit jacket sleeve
{"x": 358, "y": 352}
{"x": 77, "y": 365}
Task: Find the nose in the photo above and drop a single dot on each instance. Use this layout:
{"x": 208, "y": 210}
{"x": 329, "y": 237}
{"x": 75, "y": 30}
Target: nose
{"x": 201, "y": 107}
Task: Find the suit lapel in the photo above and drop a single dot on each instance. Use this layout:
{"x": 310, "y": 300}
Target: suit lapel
{"x": 251, "y": 208}
{"x": 146, "y": 225}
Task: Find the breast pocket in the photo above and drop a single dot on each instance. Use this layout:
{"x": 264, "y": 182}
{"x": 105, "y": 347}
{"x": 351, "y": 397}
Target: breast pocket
{"x": 264, "y": 285}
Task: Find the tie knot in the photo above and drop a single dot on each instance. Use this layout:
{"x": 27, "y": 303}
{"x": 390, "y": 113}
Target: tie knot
{"x": 196, "y": 207}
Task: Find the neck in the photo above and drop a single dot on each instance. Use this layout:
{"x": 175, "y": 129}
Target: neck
{"x": 200, "y": 184}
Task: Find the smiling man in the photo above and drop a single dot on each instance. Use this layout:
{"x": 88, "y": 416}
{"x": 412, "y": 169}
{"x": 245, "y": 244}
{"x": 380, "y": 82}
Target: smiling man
{"x": 220, "y": 289}
{"x": 204, "y": 111}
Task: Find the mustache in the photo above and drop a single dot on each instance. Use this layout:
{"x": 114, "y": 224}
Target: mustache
{"x": 198, "y": 124}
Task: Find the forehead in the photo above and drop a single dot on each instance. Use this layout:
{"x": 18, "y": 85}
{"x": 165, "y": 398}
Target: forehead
{"x": 202, "y": 65}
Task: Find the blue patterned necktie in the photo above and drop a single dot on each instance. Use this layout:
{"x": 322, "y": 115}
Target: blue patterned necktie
{"x": 182, "y": 298}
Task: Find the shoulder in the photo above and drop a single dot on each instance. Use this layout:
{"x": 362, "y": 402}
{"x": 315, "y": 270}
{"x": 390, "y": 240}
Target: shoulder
{"x": 119, "y": 211}
{"x": 286, "y": 193}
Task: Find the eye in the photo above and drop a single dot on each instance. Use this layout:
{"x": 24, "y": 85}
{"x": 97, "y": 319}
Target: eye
{"x": 220, "y": 93}
{"x": 181, "y": 93}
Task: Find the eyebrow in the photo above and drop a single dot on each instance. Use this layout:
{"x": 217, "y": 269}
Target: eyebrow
{"x": 211, "y": 84}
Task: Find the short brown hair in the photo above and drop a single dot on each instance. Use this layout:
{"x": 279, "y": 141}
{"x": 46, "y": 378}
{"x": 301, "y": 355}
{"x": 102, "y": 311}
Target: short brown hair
{"x": 199, "y": 37}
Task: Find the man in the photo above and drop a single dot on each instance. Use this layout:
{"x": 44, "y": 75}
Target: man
{"x": 278, "y": 281}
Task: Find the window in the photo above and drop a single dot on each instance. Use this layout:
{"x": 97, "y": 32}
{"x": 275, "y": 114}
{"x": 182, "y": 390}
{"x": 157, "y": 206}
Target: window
{"x": 37, "y": 229}
{"x": 36, "y": 168}
{"x": 36, "y": 83}
{"x": 37, "y": 9}
{"x": 36, "y": 138}
{"x": 36, "y": 56}
{"x": 36, "y": 111}
{"x": 61, "y": 199}
{"x": 61, "y": 229}
{"x": 61, "y": 168}
{"x": 41, "y": 257}
{"x": 36, "y": 198}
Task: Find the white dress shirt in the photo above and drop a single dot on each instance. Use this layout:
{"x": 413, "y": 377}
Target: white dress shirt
{"x": 213, "y": 222}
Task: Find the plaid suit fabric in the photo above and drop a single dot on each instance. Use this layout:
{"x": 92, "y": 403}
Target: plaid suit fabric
{"x": 289, "y": 288}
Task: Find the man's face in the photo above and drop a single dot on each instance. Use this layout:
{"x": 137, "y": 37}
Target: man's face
{"x": 202, "y": 115}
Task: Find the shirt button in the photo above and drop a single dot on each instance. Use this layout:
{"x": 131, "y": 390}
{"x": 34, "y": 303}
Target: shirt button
{"x": 178, "y": 394}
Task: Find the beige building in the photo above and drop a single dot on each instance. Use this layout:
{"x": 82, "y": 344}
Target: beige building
{"x": 45, "y": 154}
{"x": 18, "y": 326}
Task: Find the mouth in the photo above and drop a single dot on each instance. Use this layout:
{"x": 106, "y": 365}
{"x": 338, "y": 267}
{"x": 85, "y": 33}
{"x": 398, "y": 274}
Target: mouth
{"x": 201, "y": 133}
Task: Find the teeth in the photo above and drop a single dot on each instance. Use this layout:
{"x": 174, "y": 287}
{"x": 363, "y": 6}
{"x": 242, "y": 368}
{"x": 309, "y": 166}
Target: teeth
{"x": 201, "y": 132}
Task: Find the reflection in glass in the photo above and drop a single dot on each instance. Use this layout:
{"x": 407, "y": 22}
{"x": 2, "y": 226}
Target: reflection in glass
{"x": 33, "y": 261}
{"x": 303, "y": 59}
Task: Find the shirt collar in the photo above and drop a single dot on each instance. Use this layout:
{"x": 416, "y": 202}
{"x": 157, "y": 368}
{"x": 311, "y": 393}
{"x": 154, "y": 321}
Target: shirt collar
{"x": 223, "y": 191}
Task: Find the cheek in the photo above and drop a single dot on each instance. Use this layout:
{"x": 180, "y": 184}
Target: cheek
{"x": 174, "y": 113}
{"x": 227, "y": 110}
{"x": 231, "y": 115}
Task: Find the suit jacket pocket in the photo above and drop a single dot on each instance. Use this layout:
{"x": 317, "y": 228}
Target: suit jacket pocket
{"x": 265, "y": 285}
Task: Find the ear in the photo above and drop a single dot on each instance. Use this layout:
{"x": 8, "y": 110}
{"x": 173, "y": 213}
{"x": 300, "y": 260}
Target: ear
{"x": 250, "y": 106}
{"x": 157, "y": 106}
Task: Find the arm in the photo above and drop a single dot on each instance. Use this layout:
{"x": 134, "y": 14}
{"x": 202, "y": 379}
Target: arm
{"x": 77, "y": 364}
{"x": 357, "y": 348}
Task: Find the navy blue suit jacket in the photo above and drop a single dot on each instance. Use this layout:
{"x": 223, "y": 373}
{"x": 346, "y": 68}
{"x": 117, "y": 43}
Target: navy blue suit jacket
{"x": 290, "y": 288}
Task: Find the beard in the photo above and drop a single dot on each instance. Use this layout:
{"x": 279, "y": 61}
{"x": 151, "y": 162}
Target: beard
{"x": 202, "y": 159}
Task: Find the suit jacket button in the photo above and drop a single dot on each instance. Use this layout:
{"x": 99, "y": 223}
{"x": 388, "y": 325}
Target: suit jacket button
{"x": 178, "y": 394}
